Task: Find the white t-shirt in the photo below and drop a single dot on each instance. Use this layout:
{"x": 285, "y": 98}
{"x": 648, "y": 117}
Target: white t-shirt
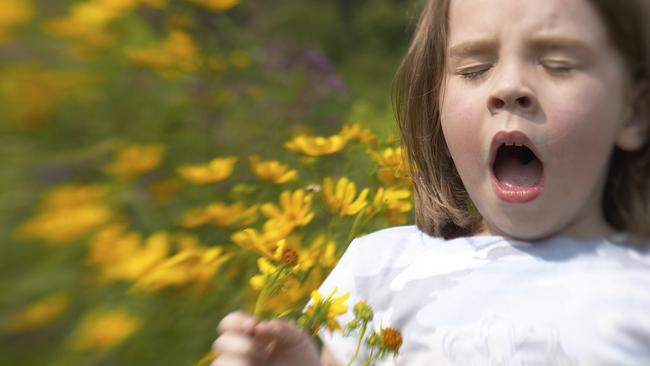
{"x": 490, "y": 300}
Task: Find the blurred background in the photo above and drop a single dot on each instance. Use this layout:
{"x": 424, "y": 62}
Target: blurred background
{"x": 111, "y": 112}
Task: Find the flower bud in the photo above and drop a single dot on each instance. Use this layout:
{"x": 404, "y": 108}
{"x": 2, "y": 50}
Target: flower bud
{"x": 363, "y": 311}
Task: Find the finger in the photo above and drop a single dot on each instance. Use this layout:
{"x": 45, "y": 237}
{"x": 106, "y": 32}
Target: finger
{"x": 233, "y": 344}
{"x": 226, "y": 360}
{"x": 283, "y": 333}
{"x": 238, "y": 322}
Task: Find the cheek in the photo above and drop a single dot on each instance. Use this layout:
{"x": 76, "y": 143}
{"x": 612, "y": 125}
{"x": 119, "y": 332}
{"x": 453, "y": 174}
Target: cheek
{"x": 461, "y": 124}
{"x": 581, "y": 135}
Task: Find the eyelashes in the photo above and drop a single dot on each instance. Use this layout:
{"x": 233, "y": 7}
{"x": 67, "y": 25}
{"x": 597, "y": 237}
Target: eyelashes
{"x": 473, "y": 75}
{"x": 553, "y": 68}
{"x": 559, "y": 68}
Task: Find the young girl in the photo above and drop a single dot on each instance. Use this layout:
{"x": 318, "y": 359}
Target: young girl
{"x": 526, "y": 125}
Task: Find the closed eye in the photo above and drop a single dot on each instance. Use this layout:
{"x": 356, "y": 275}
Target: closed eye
{"x": 560, "y": 68}
{"x": 473, "y": 73}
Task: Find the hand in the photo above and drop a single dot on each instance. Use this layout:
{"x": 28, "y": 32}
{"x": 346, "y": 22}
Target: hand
{"x": 245, "y": 341}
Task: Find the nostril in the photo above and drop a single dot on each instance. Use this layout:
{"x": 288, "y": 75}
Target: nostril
{"x": 524, "y": 102}
{"x": 498, "y": 103}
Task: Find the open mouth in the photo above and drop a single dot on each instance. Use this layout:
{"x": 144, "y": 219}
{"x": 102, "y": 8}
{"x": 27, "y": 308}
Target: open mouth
{"x": 517, "y": 171}
{"x": 517, "y": 166}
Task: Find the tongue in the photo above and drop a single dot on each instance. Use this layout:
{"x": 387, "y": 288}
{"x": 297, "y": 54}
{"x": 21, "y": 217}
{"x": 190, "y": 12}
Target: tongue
{"x": 510, "y": 171}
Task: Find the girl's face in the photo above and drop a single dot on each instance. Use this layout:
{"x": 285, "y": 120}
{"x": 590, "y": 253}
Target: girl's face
{"x": 535, "y": 98}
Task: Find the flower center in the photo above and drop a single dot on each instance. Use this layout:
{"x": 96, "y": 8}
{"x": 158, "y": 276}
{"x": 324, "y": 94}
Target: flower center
{"x": 391, "y": 338}
{"x": 289, "y": 256}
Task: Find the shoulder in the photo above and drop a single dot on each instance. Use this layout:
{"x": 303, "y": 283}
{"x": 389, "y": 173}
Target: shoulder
{"x": 386, "y": 248}
{"x": 390, "y": 239}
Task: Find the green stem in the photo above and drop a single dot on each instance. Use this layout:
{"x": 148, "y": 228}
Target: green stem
{"x": 371, "y": 358}
{"x": 260, "y": 300}
{"x": 259, "y": 304}
{"x": 356, "y": 352}
{"x": 353, "y": 229}
{"x": 330, "y": 227}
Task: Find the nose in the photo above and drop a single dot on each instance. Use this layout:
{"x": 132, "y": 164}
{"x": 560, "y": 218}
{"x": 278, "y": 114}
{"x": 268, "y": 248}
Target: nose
{"x": 511, "y": 92}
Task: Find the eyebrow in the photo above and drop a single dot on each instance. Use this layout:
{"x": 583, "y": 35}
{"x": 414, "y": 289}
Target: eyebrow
{"x": 479, "y": 46}
{"x": 545, "y": 43}
{"x": 559, "y": 43}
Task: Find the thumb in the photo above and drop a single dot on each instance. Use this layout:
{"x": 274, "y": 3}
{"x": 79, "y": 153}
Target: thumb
{"x": 284, "y": 333}
{"x": 285, "y": 341}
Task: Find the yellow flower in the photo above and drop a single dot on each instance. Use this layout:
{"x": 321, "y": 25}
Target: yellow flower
{"x": 103, "y": 329}
{"x": 91, "y": 39}
{"x": 73, "y": 195}
{"x": 324, "y": 311}
{"x": 117, "y": 5}
{"x": 272, "y": 170}
{"x": 190, "y": 267}
{"x": 39, "y": 313}
{"x": 12, "y": 14}
{"x": 390, "y": 157}
{"x": 342, "y": 199}
{"x": 392, "y": 198}
{"x": 155, "y": 3}
{"x": 267, "y": 270}
{"x": 392, "y": 168}
{"x": 46, "y": 88}
{"x": 62, "y": 226}
{"x": 391, "y": 338}
{"x": 283, "y": 256}
{"x": 134, "y": 160}
{"x": 287, "y": 254}
{"x": 220, "y": 214}
{"x": 119, "y": 255}
{"x": 177, "y": 53}
{"x": 287, "y": 292}
{"x": 216, "y": 170}
{"x": 356, "y": 132}
{"x": 316, "y": 145}
{"x": 93, "y": 15}
{"x": 264, "y": 243}
{"x": 67, "y": 213}
{"x": 217, "y": 5}
{"x": 394, "y": 203}
{"x": 183, "y": 51}
{"x": 294, "y": 210}
{"x": 88, "y": 21}
{"x": 321, "y": 252}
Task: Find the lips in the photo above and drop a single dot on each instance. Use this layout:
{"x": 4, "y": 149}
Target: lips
{"x": 516, "y": 170}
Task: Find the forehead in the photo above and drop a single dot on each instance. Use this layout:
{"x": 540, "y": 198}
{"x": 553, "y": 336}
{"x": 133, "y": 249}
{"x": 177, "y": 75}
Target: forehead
{"x": 470, "y": 19}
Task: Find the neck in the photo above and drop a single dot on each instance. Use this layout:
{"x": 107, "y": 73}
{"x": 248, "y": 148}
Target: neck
{"x": 580, "y": 230}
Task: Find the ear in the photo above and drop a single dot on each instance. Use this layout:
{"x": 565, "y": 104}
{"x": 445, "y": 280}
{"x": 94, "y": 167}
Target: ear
{"x": 633, "y": 134}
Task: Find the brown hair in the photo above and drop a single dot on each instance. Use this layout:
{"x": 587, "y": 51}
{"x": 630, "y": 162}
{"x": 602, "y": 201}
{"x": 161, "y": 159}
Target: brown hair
{"x": 442, "y": 205}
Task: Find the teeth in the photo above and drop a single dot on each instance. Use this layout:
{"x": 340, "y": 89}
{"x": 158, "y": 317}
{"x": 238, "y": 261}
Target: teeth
{"x": 513, "y": 144}
{"x": 518, "y": 144}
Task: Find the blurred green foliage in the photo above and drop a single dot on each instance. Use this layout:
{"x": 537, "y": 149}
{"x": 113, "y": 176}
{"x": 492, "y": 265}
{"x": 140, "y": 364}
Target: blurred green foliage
{"x": 78, "y": 83}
